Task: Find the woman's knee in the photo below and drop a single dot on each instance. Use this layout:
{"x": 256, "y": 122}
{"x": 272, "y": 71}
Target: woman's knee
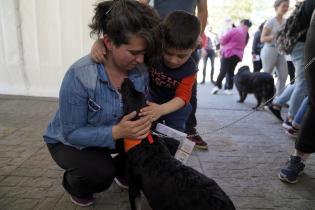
{"x": 99, "y": 178}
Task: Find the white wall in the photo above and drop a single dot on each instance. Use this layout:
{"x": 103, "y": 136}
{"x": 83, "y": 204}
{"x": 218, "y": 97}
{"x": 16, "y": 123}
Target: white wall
{"x": 39, "y": 39}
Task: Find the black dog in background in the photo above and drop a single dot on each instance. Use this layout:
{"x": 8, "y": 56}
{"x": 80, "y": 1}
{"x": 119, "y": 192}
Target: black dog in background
{"x": 165, "y": 181}
{"x": 261, "y": 84}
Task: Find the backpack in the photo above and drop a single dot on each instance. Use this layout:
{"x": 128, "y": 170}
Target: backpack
{"x": 291, "y": 31}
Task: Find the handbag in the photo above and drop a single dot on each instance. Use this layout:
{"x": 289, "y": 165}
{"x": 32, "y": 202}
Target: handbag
{"x": 291, "y": 31}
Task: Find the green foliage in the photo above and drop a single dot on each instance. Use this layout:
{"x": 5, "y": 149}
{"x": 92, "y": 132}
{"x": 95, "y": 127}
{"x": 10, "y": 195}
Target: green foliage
{"x": 238, "y": 9}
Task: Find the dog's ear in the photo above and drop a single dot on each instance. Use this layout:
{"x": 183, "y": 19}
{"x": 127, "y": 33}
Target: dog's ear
{"x": 243, "y": 68}
{"x": 132, "y": 99}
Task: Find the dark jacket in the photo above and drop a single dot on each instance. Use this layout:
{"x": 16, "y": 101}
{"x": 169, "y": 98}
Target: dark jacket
{"x": 257, "y": 44}
{"x": 306, "y": 15}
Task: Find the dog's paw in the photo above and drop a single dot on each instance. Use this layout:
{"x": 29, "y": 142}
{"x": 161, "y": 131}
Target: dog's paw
{"x": 240, "y": 101}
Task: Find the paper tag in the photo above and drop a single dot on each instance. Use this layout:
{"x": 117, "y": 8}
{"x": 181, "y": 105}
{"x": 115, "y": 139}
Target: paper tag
{"x": 187, "y": 146}
{"x": 170, "y": 132}
{"x": 182, "y": 156}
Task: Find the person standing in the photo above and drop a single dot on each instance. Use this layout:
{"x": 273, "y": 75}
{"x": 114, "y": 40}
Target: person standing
{"x": 305, "y": 143}
{"x": 296, "y": 92}
{"x": 211, "y": 41}
{"x": 256, "y": 49}
{"x": 232, "y": 49}
{"x": 270, "y": 56}
{"x": 164, "y": 7}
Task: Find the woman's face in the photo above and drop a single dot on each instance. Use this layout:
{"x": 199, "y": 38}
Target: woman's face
{"x": 127, "y": 56}
{"x": 282, "y": 8}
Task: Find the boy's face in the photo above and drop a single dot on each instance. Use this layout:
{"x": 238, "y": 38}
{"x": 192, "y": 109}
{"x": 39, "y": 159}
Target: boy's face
{"x": 174, "y": 58}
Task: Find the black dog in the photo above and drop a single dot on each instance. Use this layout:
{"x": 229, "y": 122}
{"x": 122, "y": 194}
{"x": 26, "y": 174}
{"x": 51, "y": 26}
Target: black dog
{"x": 166, "y": 182}
{"x": 261, "y": 84}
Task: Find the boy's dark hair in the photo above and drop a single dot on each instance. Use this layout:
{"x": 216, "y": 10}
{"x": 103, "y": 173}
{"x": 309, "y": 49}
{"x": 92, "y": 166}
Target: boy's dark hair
{"x": 180, "y": 30}
{"x": 120, "y": 19}
{"x": 246, "y": 22}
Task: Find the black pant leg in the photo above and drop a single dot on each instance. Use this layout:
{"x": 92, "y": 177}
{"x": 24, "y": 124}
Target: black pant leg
{"x": 257, "y": 66}
{"x": 205, "y": 67}
{"x": 87, "y": 171}
{"x": 212, "y": 57}
{"x": 230, "y": 71}
{"x": 306, "y": 139}
{"x": 192, "y": 121}
{"x": 223, "y": 69}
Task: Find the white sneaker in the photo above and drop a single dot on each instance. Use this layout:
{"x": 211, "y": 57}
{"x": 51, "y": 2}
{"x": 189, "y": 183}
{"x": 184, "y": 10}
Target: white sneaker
{"x": 228, "y": 92}
{"x": 215, "y": 90}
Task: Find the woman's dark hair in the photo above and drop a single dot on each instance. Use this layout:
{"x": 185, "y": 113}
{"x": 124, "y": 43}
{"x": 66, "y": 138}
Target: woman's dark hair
{"x": 278, "y": 2}
{"x": 246, "y": 22}
{"x": 120, "y": 19}
{"x": 180, "y": 30}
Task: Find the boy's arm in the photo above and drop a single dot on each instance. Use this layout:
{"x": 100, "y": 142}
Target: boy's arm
{"x": 182, "y": 97}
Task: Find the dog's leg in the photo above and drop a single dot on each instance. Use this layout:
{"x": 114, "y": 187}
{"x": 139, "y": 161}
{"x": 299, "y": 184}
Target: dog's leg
{"x": 259, "y": 99}
{"x": 134, "y": 197}
{"x": 241, "y": 97}
{"x": 134, "y": 189}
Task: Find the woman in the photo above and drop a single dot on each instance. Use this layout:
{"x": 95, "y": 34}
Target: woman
{"x": 305, "y": 144}
{"x": 85, "y": 129}
{"x": 233, "y": 44}
{"x": 256, "y": 48}
{"x": 270, "y": 57}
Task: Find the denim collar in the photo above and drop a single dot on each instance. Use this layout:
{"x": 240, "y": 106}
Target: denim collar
{"x": 102, "y": 74}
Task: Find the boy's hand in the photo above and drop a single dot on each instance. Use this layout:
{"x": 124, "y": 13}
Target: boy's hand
{"x": 153, "y": 110}
{"x": 98, "y": 51}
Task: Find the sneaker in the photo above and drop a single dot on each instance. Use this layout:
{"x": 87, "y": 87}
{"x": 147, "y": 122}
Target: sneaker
{"x": 287, "y": 124}
{"x": 275, "y": 112}
{"x": 294, "y": 168}
{"x": 228, "y": 92}
{"x": 82, "y": 201}
{"x": 215, "y": 90}
{"x": 199, "y": 142}
{"x": 293, "y": 132}
{"x": 122, "y": 182}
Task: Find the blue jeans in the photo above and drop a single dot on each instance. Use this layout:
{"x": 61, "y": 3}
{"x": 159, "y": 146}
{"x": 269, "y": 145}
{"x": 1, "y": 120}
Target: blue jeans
{"x": 177, "y": 119}
{"x": 295, "y": 93}
{"x": 299, "y": 91}
{"x": 285, "y": 95}
{"x": 300, "y": 114}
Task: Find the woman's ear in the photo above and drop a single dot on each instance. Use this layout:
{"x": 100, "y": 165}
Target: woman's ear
{"x": 108, "y": 43}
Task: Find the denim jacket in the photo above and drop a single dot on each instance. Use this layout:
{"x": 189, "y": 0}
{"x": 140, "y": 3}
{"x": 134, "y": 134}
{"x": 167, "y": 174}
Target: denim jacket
{"x": 89, "y": 106}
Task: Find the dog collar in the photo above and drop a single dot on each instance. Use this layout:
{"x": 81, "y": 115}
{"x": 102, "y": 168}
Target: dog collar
{"x": 130, "y": 143}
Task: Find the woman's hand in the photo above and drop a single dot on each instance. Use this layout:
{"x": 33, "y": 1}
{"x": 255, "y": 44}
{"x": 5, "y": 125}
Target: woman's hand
{"x": 153, "y": 110}
{"x": 98, "y": 51}
{"x": 138, "y": 129}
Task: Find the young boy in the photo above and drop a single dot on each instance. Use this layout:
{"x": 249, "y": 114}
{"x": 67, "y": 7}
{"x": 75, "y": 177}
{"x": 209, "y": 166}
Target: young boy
{"x": 172, "y": 78}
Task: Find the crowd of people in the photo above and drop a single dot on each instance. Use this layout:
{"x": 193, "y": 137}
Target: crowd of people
{"x": 157, "y": 49}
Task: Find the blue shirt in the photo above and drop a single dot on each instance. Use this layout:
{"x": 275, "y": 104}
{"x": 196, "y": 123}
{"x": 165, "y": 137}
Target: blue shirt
{"x": 89, "y": 106}
{"x": 164, "y": 7}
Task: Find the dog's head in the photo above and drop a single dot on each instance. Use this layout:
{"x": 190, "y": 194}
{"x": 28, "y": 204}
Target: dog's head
{"x": 132, "y": 99}
{"x": 243, "y": 69}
